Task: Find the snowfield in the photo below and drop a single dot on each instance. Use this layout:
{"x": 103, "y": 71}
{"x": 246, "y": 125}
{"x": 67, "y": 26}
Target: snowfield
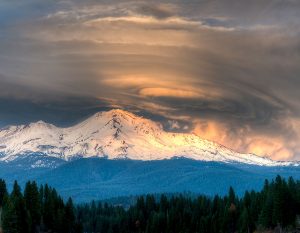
{"x": 116, "y": 134}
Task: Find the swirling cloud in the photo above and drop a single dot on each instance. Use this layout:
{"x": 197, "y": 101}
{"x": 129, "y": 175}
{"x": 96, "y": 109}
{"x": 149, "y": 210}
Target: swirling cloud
{"x": 227, "y": 71}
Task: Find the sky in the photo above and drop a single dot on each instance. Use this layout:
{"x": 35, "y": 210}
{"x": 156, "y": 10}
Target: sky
{"x": 228, "y": 71}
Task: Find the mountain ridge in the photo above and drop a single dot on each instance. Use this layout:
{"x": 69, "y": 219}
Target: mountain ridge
{"x": 89, "y": 179}
{"x": 116, "y": 134}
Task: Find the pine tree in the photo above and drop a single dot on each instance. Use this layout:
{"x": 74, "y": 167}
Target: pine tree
{"x": 278, "y": 202}
{"x": 265, "y": 217}
{"x": 3, "y": 191}
{"x": 69, "y": 218}
{"x": 23, "y": 220}
{"x": 9, "y": 219}
{"x": 244, "y": 221}
{"x": 16, "y": 192}
{"x": 48, "y": 207}
{"x": 3, "y": 195}
{"x": 33, "y": 205}
{"x": 231, "y": 195}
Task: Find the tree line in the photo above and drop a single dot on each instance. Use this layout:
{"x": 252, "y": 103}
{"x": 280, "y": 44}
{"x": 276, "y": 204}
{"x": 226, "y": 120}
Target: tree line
{"x": 43, "y": 210}
{"x": 37, "y": 209}
{"x": 278, "y": 204}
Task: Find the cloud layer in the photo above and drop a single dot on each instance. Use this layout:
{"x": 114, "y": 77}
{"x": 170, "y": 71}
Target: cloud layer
{"x": 225, "y": 70}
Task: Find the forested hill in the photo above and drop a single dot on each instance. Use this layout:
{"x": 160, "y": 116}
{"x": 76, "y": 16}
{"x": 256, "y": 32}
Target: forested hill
{"x": 41, "y": 209}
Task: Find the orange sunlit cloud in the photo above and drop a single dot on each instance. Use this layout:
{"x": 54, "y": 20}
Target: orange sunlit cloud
{"x": 269, "y": 147}
{"x": 244, "y": 141}
{"x": 204, "y": 67}
{"x": 168, "y": 92}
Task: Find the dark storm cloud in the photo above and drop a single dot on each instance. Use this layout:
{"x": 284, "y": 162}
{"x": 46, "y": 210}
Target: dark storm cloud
{"x": 227, "y": 70}
{"x": 61, "y": 113}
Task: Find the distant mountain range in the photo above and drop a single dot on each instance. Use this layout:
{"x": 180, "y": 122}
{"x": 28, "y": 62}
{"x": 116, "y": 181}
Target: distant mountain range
{"x": 100, "y": 178}
{"x": 117, "y": 153}
{"x": 115, "y": 134}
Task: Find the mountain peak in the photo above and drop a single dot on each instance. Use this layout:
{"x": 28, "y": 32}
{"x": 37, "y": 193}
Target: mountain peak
{"x": 120, "y": 113}
{"x": 113, "y": 114}
{"x": 41, "y": 124}
{"x": 116, "y": 134}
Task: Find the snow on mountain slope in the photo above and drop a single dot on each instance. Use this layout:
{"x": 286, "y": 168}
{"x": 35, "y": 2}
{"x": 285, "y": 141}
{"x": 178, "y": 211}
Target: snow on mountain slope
{"x": 116, "y": 134}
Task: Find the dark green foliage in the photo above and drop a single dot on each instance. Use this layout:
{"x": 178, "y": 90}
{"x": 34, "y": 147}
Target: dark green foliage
{"x": 9, "y": 217}
{"x": 33, "y": 204}
{"x": 43, "y": 210}
{"x": 3, "y": 191}
{"x": 183, "y": 214}
{"x": 69, "y": 217}
{"x": 37, "y": 210}
{"x": 23, "y": 216}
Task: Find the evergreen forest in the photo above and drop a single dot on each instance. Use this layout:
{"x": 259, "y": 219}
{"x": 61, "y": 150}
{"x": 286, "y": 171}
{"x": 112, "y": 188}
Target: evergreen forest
{"x": 41, "y": 209}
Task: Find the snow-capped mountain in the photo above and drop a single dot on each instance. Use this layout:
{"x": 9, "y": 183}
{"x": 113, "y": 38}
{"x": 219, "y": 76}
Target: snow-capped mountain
{"x": 116, "y": 134}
